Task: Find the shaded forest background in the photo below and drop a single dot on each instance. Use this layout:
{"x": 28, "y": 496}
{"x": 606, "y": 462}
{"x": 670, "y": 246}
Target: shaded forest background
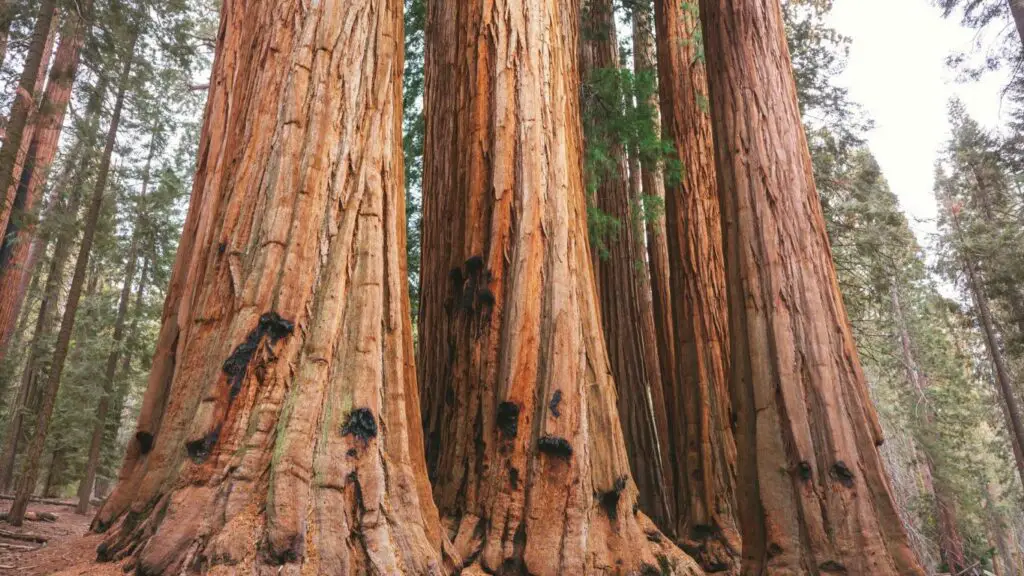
{"x": 939, "y": 322}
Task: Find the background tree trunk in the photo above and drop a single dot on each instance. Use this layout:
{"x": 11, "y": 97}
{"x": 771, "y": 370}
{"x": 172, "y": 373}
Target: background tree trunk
{"x": 813, "y": 494}
{"x": 951, "y": 543}
{"x": 110, "y": 370}
{"x": 23, "y": 107}
{"x": 701, "y": 437}
{"x": 45, "y": 137}
{"x": 527, "y": 451}
{"x": 626, "y": 310}
{"x": 27, "y": 480}
{"x": 304, "y": 446}
{"x": 653, "y": 185}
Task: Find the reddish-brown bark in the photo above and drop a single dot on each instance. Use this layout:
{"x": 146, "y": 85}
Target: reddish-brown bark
{"x": 280, "y": 429}
{"x": 652, "y": 179}
{"x": 812, "y": 492}
{"x": 627, "y": 315}
{"x": 697, "y": 396}
{"x": 16, "y": 141}
{"x": 530, "y": 466}
{"x": 44, "y": 135}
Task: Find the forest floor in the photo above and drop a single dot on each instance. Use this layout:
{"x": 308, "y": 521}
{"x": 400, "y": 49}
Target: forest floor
{"x": 68, "y": 550}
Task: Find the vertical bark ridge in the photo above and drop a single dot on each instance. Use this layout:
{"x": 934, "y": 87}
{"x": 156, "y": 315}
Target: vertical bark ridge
{"x": 702, "y": 434}
{"x": 528, "y": 457}
{"x": 291, "y": 268}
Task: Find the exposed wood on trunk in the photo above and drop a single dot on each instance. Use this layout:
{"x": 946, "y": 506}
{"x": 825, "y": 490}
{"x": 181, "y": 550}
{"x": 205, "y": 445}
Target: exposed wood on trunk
{"x": 110, "y": 370}
{"x": 15, "y": 246}
{"x": 30, "y": 470}
{"x": 701, "y": 437}
{"x": 25, "y": 103}
{"x": 280, "y": 429}
{"x": 813, "y": 495}
{"x": 627, "y": 314}
{"x": 526, "y": 447}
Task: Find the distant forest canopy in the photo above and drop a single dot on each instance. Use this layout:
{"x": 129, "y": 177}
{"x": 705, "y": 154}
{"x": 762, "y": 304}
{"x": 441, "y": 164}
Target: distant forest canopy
{"x": 560, "y": 297}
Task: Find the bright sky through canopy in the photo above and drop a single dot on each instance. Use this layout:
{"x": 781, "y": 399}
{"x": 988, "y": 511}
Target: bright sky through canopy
{"x": 897, "y": 72}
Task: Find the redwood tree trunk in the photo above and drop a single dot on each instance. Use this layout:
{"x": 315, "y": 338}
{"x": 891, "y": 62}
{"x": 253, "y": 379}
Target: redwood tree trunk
{"x": 529, "y": 457}
{"x": 27, "y": 480}
{"x": 110, "y": 371}
{"x": 23, "y": 107}
{"x": 626, "y": 309}
{"x": 701, "y": 437}
{"x": 653, "y": 184}
{"x": 281, "y": 424}
{"x": 813, "y": 495}
{"x": 45, "y": 137}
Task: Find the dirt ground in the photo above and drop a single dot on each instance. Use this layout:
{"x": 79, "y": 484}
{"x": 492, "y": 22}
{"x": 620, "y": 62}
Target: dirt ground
{"x": 68, "y": 551}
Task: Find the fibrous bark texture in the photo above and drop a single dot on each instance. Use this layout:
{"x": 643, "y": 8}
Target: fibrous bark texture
{"x": 280, "y": 431}
{"x": 701, "y": 437}
{"x": 530, "y": 466}
{"x": 813, "y": 495}
{"x": 653, "y": 185}
{"x": 627, "y": 313}
{"x": 44, "y": 136}
{"x": 25, "y": 104}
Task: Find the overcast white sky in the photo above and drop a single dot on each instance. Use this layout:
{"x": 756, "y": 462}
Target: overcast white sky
{"x": 897, "y": 72}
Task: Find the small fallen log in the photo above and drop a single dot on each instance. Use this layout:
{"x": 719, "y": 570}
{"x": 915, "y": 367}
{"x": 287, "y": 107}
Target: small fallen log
{"x": 36, "y": 517}
{"x": 26, "y": 536}
{"x": 50, "y": 501}
{"x": 18, "y": 547}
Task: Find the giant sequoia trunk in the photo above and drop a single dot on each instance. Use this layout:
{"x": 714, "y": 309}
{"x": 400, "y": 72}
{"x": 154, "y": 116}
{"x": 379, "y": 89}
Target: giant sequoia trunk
{"x": 530, "y": 466}
{"x": 700, "y": 438}
{"x": 44, "y": 136}
{"x": 812, "y": 492}
{"x": 281, "y": 423}
{"x": 627, "y": 313}
{"x": 653, "y": 185}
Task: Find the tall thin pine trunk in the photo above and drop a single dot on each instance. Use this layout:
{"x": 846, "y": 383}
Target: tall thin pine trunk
{"x": 110, "y": 371}
{"x": 27, "y": 479}
{"x": 44, "y": 135}
{"x": 1003, "y": 376}
{"x": 812, "y": 492}
{"x": 951, "y": 543}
